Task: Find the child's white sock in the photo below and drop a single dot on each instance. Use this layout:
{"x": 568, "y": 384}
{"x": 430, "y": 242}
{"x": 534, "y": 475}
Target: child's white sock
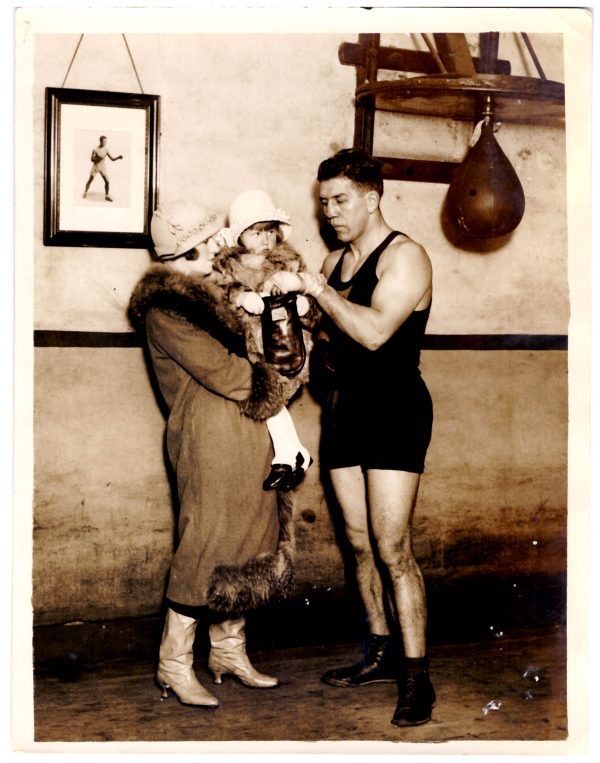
{"x": 286, "y": 443}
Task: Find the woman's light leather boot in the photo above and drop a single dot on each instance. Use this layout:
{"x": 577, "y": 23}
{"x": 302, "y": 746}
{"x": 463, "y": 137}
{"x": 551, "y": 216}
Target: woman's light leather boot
{"x": 228, "y": 655}
{"x": 176, "y": 658}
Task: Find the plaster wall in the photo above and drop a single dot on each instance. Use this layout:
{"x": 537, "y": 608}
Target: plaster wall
{"x": 239, "y": 111}
{"x": 262, "y": 110}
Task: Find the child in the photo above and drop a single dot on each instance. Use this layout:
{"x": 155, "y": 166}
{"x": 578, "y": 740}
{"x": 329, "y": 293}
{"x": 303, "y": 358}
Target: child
{"x": 180, "y": 231}
{"x": 255, "y": 249}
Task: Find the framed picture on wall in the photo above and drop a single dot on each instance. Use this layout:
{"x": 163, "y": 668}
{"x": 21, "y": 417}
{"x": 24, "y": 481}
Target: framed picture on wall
{"x": 101, "y": 168}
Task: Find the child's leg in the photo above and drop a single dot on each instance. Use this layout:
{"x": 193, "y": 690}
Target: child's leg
{"x": 286, "y": 443}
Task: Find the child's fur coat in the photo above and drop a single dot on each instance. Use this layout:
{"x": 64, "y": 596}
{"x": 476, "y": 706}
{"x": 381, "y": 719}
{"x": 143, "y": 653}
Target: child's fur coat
{"x": 233, "y": 276}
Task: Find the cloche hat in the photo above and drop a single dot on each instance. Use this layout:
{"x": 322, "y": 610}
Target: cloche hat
{"x": 179, "y": 226}
{"x": 255, "y": 206}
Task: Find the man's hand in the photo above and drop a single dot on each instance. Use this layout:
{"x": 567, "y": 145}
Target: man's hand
{"x": 313, "y": 285}
{"x": 251, "y": 302}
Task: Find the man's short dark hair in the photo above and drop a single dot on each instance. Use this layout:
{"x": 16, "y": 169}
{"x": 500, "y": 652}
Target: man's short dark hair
{"x": 357, "y": 165}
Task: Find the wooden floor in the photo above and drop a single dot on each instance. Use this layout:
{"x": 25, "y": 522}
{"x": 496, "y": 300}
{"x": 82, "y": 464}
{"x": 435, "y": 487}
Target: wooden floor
{"x": 509, "y": 688}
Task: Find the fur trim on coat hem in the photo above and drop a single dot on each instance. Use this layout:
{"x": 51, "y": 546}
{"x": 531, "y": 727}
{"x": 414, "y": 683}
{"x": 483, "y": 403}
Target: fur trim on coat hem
{"x": 236, "y": 589}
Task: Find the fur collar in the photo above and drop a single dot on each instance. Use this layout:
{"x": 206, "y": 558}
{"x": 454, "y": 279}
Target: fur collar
{"x": 194, "y": 298}
{"x": 202, "y": 304}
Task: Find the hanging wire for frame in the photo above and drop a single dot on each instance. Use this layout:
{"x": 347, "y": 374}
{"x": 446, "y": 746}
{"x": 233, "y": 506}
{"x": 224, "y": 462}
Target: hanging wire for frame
{"x": 72, "y": 59}
{"x": 133, "y": 63}
{"x": 128, "y": 51}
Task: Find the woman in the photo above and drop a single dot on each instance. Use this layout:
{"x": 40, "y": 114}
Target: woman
{"x": 235, "y": 542}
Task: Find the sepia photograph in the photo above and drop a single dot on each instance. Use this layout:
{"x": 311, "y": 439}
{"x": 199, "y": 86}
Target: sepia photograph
{"x": 302, "y": 413}
{"x": 101, "y": 163}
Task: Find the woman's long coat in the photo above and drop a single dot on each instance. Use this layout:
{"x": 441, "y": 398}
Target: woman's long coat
{"x": 235, "y": 542}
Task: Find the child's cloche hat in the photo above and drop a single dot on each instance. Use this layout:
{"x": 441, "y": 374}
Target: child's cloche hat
{"x": 255, "y": 206}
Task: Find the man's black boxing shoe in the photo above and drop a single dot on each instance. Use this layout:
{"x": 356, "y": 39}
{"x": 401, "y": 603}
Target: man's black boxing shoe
{"x": 416, "y": 695}
{"x": 378, "y": 666}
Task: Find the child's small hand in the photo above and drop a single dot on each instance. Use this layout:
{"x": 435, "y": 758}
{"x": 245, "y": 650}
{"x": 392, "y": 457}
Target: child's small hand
{"x": 251, "y": 302}
{"x": 302, "y": 304}
{"x": 285, "y": 281}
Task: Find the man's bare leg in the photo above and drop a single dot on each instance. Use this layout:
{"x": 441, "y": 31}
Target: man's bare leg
{"x": 391, "y": 499}
{"x": 378, "y": 664}
{"x": 350, "y": 490}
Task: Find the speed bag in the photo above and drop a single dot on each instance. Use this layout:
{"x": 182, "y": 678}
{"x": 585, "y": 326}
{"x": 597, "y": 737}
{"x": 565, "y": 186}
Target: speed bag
{"x": 485, "y": 197}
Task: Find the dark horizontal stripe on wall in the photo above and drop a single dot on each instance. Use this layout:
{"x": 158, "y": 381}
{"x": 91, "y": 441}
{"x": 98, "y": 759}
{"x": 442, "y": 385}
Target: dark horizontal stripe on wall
{"x": 495, "y": 342}
{"x": 86, "y": 339}
{"x": 431, "y": 341}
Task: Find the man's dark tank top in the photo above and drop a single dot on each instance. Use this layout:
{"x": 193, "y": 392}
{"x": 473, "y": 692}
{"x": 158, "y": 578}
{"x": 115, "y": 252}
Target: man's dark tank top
{"x": 395, "y": 361}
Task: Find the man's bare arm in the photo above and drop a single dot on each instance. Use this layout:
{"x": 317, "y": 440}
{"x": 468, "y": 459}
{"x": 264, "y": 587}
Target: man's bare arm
{"x": 404, "y": 280}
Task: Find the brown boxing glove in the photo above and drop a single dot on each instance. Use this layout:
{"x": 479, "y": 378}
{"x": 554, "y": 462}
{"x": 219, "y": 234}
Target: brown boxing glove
{"x": 282, "y": 334}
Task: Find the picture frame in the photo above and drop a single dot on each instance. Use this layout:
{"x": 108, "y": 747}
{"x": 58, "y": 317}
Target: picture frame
{"x": 100, "y": 167}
